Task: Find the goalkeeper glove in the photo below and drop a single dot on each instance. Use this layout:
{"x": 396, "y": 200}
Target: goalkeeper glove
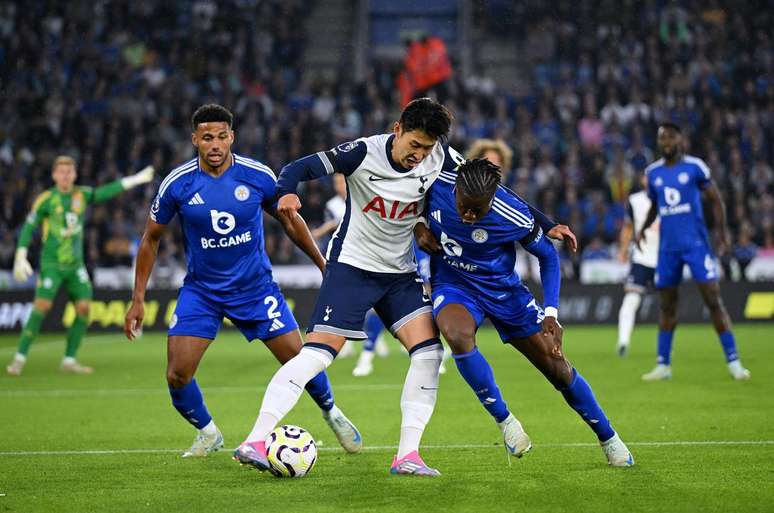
{"x": 22, "y": 270}
{"x": 144, "y": 176}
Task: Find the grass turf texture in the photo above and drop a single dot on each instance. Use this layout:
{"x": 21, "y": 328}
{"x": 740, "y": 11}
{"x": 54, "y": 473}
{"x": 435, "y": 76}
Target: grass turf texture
{"x": 112, "y": 441}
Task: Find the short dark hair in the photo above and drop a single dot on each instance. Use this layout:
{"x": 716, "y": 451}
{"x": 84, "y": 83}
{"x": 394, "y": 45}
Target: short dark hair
{"x": 427, "y": 115}
{"x": 673, "y": 126}
{"x": 478, "y": 178}
{"x": 212, "y": 113}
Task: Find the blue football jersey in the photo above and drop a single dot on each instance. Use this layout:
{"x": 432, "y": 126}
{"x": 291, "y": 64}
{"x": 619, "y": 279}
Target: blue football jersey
{"x": 677, "y": 192}
{"x": 480, "y": 255}
{"x": 222, "y": 222}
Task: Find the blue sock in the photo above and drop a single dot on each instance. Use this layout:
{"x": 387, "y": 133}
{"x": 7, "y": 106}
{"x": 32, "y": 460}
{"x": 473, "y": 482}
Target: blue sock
{"x": 729, "y": 345}
{"x": 320, "y": 389}
{"x": 665, "y": 346}
{"x": 189, "y": 402}
{"x": 581, "y": 398}
{"x": 478, "y": 374}
{"x": 373, "y": 328}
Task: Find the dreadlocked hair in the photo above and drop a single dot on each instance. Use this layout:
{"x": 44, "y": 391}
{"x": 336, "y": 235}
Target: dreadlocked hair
{"x": 478, "y": 178}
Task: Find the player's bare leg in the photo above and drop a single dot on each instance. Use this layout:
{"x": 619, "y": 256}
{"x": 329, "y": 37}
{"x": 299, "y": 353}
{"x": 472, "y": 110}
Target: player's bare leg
{"x": 667, "y": 322}
{"x": 459, "y": 329}
{"x": 544, "y": 351}
{"x": 74, "y": 337}
{"x": 183, "y": 356}
{"x": 710, "y": 293}
{"x": 40, "y": 309}
{"x": 420, "y": 338}
{"x": 287, "y": 346}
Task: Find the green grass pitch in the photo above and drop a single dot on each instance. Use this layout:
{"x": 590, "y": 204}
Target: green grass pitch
{"x": 112, "y": 441}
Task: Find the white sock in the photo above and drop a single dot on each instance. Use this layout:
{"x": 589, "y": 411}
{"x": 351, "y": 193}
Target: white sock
{"x": 286, "y": 388}
{"x": 365, "y": 358}
{"x": 20, "y": 357}
{"x": 626, "y": 316}
{"x": 418, "y": 398}
{"x": 68, "y": 360}
{"x": 210, "y": 429}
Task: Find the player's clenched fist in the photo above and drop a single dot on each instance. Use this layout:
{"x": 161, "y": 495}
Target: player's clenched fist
{"x": 425, "y": 239}
{"x": 288, "y": 204}
{"x": 133, "y": 320}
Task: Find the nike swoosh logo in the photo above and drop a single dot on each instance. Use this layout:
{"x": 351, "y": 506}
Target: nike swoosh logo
{"x": 294, "y": 383}
{"x": 428, "y": 388}
{"x": 373, "y": 178}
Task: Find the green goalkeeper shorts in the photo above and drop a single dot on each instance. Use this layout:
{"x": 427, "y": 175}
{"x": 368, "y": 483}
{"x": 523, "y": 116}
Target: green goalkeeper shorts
{"x": 75, "y": 280}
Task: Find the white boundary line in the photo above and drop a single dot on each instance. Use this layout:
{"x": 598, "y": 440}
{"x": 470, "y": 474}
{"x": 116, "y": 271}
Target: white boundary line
{"x": 378, "y": 448}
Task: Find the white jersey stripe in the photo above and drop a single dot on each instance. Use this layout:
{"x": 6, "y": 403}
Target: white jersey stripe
{"x": 512, "y": 210}
{"x": 452, "y": 182}
{"x": 171, "y": 178}
{"x": 255, "y": 165}
{"x": 326, "y": 162}
{"x": 509, "y": 217}
{"x": 177, "y": 170}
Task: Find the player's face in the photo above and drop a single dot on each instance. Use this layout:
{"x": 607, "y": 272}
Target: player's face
{"x": 669, "y": 142}
{"x": 410, "y": 148}
{"x": 213, "y": 140}
{"x": 471, "y": 209}
{"x": 64, "y": 176}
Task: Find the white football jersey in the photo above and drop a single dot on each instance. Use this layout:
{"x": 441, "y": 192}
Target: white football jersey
{"x": 383, "y": 203}
{"x": 335, "y": 208}
{"x": 639, "y": 205}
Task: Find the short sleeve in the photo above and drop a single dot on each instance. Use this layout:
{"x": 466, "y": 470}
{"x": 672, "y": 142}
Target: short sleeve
{"x": 702, "y": 172}
{"x": 652, "y": 191}
{"x": 344, "y": 158}
{"x": 452, "y": 159}
{"x": 268, "y": 187}
{"x": 164, "y": 206}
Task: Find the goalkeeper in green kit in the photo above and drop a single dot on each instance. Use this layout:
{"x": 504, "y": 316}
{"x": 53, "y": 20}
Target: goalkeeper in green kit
{"x": 61, "y": 211}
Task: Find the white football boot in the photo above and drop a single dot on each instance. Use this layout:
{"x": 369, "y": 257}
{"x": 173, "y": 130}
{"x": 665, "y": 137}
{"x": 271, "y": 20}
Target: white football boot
{"x": 204, "y": 444}
{"x": 659, "y": 372}
{"x": 617, "y": 453}
{"x": 738, "y": 372}
{"x": 365, "y": 365}
{"x": 16, "y": 366}
{"x": 345, "y": 431}
{"x": 517, "y": 442}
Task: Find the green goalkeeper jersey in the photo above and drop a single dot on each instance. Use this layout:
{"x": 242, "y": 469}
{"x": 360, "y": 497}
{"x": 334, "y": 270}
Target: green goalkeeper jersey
{"x": 62, "y": 217}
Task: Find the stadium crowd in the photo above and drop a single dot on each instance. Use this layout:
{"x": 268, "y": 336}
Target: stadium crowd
{"x": 114, "y": 84}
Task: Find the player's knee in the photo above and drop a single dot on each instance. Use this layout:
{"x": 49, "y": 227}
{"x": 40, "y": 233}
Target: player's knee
{"x": 42, "y": 306}
{"x": 177, "y": 378}
{"x": 460, "y": 338}
{"x": 82, "y": 309}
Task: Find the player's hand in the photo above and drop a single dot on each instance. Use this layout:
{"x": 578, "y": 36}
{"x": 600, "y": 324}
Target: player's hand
{"x": 22, "y": 270}
{"x": 563, "y": 232}
{"x": 288, "y": 205}
{"x": 133, "y": 320}
{"x": 140, "y": 178}
{"x": 425, "y": 239}
{"x": 552, "y": 328}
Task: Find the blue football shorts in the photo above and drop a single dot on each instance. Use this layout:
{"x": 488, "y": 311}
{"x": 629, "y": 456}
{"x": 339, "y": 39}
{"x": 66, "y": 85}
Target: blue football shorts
{"x": 700, "y": 260}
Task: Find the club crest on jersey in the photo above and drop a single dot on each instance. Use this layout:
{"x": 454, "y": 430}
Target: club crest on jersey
{"x": 241, "y": 193}
{"x": 397, "y": 210}
{"x": 658, "y": 182}
{"x": 479, "y": 235}
{"x": 682, "y": 178}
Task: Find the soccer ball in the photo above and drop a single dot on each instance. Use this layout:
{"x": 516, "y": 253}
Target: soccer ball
{"x": 291, "y": 451}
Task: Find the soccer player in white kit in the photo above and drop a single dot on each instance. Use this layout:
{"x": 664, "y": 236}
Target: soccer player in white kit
{"x": 370, "y": 264}
{"x": 643, "y": 263}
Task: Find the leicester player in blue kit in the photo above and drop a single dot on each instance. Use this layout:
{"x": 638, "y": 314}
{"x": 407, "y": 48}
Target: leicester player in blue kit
{"x": 676, "y": 184}
{"x": 473, "y": 225}
{"x": 220, "y": 198}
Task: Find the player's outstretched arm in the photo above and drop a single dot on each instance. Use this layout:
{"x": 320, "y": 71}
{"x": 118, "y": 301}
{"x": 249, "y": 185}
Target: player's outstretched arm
{"x": 22, "y": 270}
{"x": 425, "y": 238}
{"x": 652, "y": 214}
{"x": 298, "y": 231}
{"x": 146, "y": 258}
{"x": 551, "y": 228}
{"x": 113, "y": 189}
{"x": 712, "y": 193}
